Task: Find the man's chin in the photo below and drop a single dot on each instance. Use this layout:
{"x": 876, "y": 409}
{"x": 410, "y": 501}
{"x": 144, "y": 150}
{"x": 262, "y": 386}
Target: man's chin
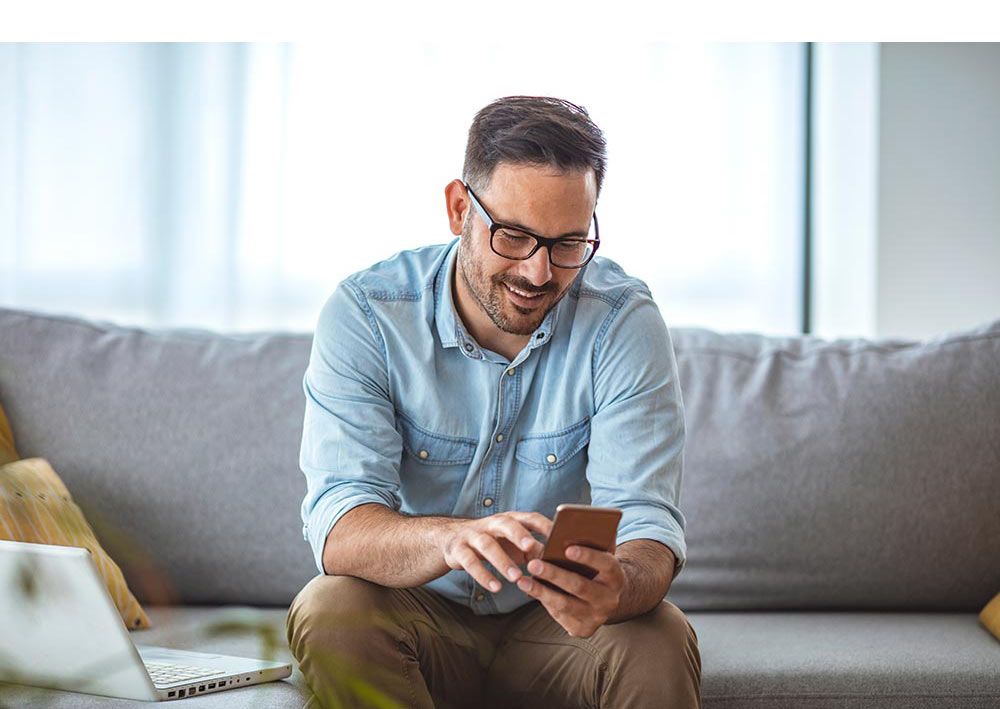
{"x": 521, "y": 321}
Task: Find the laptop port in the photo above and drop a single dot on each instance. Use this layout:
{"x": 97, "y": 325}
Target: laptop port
{"x": 212, "y": 686}
{"x": 201, "y": 688}
{"x": 180, "y": 692}
{"x": 171, "y": 694}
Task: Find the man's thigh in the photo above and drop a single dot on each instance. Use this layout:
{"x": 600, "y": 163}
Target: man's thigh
{"x": 411, "y": 644}
{"x": 651, "y": 660}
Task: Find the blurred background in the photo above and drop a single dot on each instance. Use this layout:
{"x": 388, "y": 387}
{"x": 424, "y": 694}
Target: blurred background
{"x": 832, "y": 189}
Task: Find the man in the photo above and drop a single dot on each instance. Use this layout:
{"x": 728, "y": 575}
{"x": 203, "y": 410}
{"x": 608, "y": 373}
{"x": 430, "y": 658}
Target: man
{"x": 457, "y": 394}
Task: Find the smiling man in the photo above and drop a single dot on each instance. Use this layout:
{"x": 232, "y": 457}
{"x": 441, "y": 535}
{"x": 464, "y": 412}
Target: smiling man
{"x": 455, "y": 395}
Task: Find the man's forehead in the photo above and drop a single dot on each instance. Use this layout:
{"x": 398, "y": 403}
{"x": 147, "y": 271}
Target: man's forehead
{"x": 542, "y": 198}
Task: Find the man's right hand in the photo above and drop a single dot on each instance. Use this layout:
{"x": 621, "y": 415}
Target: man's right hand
{"x": 503, "y": 539}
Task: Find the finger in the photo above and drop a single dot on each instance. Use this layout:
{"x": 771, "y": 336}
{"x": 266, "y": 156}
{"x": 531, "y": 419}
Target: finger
{"x": 513, "y": 552}
{"x": 472, "y": 564}
{"x": 569, "y": 581}
{"x": 534, "y": 520}
{"x": 600, "y": 561}
{"x": 556, "y": 603}
{"x": 489, "y": 549}
{"x": 519, "y": 535}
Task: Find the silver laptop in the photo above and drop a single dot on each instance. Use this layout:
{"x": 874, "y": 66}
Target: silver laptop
{"x": 60, "y": 629}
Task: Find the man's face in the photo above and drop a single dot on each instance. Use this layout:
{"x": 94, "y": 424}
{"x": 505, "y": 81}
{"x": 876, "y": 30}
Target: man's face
{"x": 548, "y": 204}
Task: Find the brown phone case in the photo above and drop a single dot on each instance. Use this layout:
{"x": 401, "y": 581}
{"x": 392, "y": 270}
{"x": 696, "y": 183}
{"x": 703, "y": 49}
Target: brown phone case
{"x": 581, "y": 525}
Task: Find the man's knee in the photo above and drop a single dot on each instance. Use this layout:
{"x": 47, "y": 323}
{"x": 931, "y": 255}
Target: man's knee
{"x": 652, "y": 660}
{"x": 667, "y": 625}
{"x": 674, "y": 623}
{"x": 333, "y": 604}
{"x": 660, "y": 643}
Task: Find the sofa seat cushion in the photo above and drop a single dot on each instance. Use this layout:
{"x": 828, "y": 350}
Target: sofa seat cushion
{"x": 759, "y": 660}
{"x": 186, "y": 628}
{"x": 875, "y": 660}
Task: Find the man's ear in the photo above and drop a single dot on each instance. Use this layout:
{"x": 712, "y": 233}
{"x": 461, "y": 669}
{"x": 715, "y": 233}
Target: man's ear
{"x": 457, "y": 205}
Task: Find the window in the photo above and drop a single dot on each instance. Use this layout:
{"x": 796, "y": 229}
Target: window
{"x": 215, "y": 185}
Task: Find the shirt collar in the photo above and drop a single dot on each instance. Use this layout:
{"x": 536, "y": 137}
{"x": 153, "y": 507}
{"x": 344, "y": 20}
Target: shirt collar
{"x": 449, "y": 324}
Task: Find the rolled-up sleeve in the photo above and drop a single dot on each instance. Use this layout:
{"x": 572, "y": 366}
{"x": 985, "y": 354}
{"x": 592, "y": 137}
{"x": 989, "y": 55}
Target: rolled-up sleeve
{"x": 350, "y": 450}
{"x": 636, "y": 452}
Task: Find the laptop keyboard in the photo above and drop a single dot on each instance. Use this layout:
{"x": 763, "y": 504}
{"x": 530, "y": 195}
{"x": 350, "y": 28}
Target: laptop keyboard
{"x": 167, "y": 673}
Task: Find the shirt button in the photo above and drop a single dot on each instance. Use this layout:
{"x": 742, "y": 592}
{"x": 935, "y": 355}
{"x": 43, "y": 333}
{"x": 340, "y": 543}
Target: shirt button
{"x": 499, "y": 437}
{"x": 510, "y": 372}
{"x": 488, "y": 502}
{"x": 551, "y": 457}
{"x": 468, "y": 347}
{"x": 539, "y": 335}
{"x": 480, "y": 596}
{"x": 423, "y": 454}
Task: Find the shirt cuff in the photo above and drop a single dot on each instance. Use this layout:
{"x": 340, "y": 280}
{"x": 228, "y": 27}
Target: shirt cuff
{"x": 667, "y": 532}
{"x": 329, "y": 509}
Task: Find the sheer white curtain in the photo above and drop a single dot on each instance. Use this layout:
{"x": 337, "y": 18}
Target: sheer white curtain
{"x": 232, "y": 186}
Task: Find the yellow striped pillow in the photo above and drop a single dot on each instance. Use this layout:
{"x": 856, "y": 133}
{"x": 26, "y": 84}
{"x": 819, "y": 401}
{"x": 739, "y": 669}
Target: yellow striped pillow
{"x": 35, "y": 506}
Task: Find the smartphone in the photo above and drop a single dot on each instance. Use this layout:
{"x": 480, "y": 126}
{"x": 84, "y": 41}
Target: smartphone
{"x": 580, "y": 525}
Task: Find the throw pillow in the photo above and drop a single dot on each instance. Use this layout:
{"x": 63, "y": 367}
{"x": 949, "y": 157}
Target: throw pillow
{"x": 35, "y": 506}
{"x": 990, "y": 616}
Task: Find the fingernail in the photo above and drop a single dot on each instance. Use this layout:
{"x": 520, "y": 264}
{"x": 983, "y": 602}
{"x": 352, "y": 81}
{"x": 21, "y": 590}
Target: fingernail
{"x": 524, "y": 584}
{"x": 572, "y": 552}
{"x": 494, "y": 586}
{"x": 526, "y": 543}
{"x": 535, "y": 566}
{"x": 513, "y": 572}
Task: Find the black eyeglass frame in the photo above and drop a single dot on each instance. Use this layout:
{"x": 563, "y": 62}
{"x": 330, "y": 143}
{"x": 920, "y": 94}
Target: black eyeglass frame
{"x": 540, "y": 241}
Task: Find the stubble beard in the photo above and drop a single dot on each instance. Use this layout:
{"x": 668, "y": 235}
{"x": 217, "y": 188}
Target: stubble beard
{"x": 489, "y": 292}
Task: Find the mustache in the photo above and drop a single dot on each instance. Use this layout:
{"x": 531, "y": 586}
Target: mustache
{"x": 526, "y": 286}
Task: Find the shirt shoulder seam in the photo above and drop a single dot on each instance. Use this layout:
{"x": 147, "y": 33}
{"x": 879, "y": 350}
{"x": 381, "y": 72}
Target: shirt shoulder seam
{"x": 616, "y": 307}
{"x": 362, "y": 298}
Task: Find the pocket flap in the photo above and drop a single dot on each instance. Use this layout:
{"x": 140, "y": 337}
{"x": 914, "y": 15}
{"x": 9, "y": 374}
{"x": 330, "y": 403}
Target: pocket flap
{"x": 434, "y": 448}
{"x": 552, "y": 450}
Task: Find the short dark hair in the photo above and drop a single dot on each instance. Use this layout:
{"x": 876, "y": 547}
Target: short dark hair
{"x": 533, "y": 130}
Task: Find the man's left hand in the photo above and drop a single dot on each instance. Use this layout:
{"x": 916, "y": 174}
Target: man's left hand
{"x": 587, "y": 603}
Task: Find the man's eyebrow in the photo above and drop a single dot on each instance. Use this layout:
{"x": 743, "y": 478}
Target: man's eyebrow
{"x": 532, "y": 231}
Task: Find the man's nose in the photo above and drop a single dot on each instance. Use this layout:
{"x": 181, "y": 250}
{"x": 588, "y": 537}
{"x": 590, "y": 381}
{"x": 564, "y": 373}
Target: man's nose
{"x": 537, "y": 269}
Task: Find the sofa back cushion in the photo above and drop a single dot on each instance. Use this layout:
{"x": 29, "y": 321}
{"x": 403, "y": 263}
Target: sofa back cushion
{"x": 817, "y": 474}
{"x": 840, "y": 474}
{"x": 187, "y": 441}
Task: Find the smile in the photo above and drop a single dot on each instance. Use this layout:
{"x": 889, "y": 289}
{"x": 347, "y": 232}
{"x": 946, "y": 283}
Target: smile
{"x": 522, "y": 293}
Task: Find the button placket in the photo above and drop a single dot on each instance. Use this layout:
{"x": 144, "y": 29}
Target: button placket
{"x": 498, "y": 437}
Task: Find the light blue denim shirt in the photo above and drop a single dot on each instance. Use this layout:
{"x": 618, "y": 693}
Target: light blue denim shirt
{"x": 405, "y": 409}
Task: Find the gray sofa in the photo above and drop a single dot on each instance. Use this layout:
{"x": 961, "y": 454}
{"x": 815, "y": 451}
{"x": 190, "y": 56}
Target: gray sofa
{"x": 842, "y": 500}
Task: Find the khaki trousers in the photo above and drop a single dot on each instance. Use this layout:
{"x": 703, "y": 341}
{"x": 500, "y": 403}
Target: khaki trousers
{"x": 357, "y": 642}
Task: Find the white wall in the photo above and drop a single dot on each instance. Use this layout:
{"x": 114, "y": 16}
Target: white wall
{"x": 938, "y": 246}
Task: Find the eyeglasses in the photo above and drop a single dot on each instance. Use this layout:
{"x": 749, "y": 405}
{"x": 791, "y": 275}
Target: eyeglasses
{"x": 519, "y": 244}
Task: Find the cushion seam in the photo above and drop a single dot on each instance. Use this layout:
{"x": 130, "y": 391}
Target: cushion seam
{"x": 680, "y": 350}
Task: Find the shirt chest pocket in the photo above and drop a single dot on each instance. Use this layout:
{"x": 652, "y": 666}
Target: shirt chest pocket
{"x": 552, "y": 468}
{"x": 433, "y": 468}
